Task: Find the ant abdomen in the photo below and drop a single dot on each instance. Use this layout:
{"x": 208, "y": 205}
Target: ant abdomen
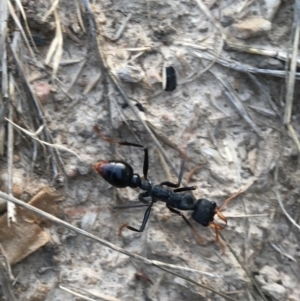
{"x": 117, "y": 173}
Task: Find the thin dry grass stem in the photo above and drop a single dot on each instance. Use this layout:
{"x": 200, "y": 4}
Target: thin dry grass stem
{"x": 246, "y": 235}
{"x": 246, "y": 4}
{"x": 139, "y": 49}
{"x": 4, "y": 82}
{"x": 125, "y": 121}
{"x": 263, "y": 111}
{"x": 97, "y": 294}
{"x": 218, "y": 107}
{"x": 34, "y": 104}
{"x": 121, "y": 29}
{"x": 76, "y": 294}
{"x": 242, "y": 67}
{"x": 11, "y": 208}
{"x": 250, "y": 182}
{"x": 278, "y": 197}
{"x": 246, "y": 215}
{"x": 192, "y": 172}
{"x": 292, "y": 73}
{"x": 20, "y": 6}
{"x": 148, "y": 13}
{"x": 33, "y": 136}
{"x": 249, "y": 275}
{"x": 56, "y": 48}
{"x": 5, "y": 285}
{"x": 234, "y": 98}
{"x": 57, "y": 80}
{"x": 156, "y": 285}
{"x": 164, "y": 165}
{"x": 71, "y": 61}
{"x": 265, "y": 93}
{"x": 4, "y": 77}
{"x": 208, "y": 14}
{"x": 20, "y": 27}
{"x": 210, "y": 65}
{"x": 92, "y": 83}
{"x": 79, "y": 16}
{"x": 171, "y": 144}
{"x": 282, "y": 253}
{"x": 50, "y": 10}
{"x": 76, "y": 75}
{"x": 199, "y": 284}
{"x": 294, "y": 136}
{"x": 158, "y": 264}
{"x": 260, "y": 50}
{"x": 7, "y": 264}
{"x": 3, "y": 26}
{"x": 135, "y": 57}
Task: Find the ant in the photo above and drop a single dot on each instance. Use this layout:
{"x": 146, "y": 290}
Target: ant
{"x": 120, "y": 174}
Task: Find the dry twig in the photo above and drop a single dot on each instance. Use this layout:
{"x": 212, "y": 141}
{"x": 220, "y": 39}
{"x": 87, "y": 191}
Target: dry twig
{"x": 234, "y": 98}
{"x": 56, "y": 48}
{"x": 97, "y": 295}
{"x": 293, "y": 66}
{"x": 33, "y": 136}
{"x": 285, "y": 212}
{"x": 11, "y": 210}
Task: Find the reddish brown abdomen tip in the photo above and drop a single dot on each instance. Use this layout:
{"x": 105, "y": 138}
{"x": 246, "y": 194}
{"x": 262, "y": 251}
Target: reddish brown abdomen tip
{"x": 99, "y": 167}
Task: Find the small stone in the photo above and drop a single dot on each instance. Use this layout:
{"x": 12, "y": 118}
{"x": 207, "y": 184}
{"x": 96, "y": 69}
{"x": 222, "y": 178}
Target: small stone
{"x": 250, "y": 27}
{"x": 17, "y": 191}
{"x": 71, "y": 171}
{"x": 269, "y": 274}
{"x": 40, "y": 293}
{"x": 83, "y": 168}
{"x": 42, "y": 91}
{"x": 276, "y": 291}
{"x": 131, "y": 74}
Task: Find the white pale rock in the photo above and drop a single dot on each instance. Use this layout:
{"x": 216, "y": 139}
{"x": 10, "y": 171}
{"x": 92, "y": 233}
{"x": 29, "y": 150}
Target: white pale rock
{"x": 269, "y": 274}
{"x": 250, "y": 27}
{"x": 276, "y": 291}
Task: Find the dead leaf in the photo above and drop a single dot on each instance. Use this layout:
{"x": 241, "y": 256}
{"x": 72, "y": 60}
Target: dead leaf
{"x": 26, "y": 236}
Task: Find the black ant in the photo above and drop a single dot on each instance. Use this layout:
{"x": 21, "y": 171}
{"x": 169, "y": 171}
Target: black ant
{"x": 120, "y": 174}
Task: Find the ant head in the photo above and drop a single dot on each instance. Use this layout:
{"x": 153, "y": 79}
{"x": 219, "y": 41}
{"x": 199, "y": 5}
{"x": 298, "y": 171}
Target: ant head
{"x": 204, "y": 212}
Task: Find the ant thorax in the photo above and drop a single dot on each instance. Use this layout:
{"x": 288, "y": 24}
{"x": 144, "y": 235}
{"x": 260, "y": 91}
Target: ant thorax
{"x": 146, "y": 185}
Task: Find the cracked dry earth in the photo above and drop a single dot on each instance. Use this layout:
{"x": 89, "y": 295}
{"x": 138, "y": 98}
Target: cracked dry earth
{"x": 198, "y": 118}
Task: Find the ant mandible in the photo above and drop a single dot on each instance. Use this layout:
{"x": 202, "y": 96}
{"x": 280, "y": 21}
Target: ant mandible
{"x": 120, "y": 174}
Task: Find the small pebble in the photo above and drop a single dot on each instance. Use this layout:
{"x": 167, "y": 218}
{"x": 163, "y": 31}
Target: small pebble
{"x": 42, "y": 91}
{"x": 250, "y": 27}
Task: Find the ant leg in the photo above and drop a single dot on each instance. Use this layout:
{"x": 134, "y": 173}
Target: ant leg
{"x": 222, "y": 217}
{"x": 185, "y": 189}
{"x": 197, "y": 238}
{"x": 182, "y": 215}
{"x": 175, "y": 185}
{"x": 228, "y": 200}
{"x": 217, "y": 229}
{"x": 145, "y": 220}
{"x": 130, "y": 206}
{"x": 110, "y": 140}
